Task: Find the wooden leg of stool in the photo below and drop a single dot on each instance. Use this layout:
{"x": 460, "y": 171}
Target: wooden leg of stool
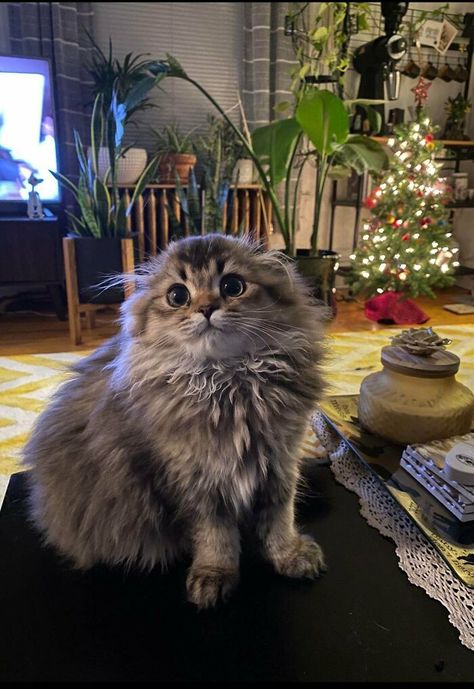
{"x": 90, "y": 319}
{"x": 128, "y": 265}
{"x": 72, "y": 291}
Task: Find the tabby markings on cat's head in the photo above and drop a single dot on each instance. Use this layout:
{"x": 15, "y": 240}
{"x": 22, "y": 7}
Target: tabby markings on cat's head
{"x": 218, "y": 297}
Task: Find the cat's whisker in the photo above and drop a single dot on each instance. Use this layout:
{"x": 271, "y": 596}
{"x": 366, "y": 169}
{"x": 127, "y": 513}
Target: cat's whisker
{"x": 252, "y": 334}
{"x": 268, "y": 331}
{"x": 257, "y": 332}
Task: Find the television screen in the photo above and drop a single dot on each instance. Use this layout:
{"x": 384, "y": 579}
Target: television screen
{"x": 27, "y": 129}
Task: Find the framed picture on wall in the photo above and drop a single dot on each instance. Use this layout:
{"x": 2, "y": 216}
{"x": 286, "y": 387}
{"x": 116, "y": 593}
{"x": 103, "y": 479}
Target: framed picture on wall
{"x": 448, "y": 35}
{"x": 430, "y": 33}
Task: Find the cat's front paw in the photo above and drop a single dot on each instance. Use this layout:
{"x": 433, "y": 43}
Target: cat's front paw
{"x": 206, "y": 585}
{"x": 302, "y": 559}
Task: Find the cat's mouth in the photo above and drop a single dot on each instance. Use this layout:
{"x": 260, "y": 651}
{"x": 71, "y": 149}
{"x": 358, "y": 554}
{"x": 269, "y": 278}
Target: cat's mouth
{"x": 207, "y": 328}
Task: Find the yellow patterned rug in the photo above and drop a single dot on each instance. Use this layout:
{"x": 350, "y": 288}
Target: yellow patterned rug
{"x": 27, "y": 382}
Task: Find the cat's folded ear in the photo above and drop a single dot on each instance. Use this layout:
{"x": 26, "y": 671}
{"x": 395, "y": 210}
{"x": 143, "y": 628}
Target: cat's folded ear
{"x": 278, "y": 267}
{"x": 281, "y": 278}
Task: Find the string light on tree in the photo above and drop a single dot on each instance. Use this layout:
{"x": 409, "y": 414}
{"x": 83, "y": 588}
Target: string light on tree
{"x": 407, "y": 243}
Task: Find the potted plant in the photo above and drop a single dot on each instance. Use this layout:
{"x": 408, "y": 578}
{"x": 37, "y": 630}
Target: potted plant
{"x": 100, "y": 224}
{"x": 176, "y": 153}
{"x": 109, "y": 76}
{"x": 457, "y": 108}
{"x": 244, "y": 170}
{"x": 321, "y": 118}
{"x": 219, "y": 152}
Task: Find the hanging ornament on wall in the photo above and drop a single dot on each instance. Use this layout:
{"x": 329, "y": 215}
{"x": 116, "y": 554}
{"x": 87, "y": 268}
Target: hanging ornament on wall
{"x": 420, "y": 90}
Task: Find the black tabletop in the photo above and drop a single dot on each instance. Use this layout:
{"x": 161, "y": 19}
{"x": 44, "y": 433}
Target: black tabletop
{"x": 361, "y": 621}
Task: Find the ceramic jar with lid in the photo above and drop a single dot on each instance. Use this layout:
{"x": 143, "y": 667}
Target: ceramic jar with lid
{"x": 415, "y": 398}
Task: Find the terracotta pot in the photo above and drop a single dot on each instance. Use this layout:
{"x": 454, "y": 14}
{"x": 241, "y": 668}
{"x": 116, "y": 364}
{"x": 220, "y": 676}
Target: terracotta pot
{"x": 176, "y": 163}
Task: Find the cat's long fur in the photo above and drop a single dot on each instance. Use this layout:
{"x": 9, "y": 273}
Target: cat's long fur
{"x": 171, "y": 433}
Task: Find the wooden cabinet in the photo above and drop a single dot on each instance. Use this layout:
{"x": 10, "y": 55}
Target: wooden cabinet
{"x": 31, "y": 254}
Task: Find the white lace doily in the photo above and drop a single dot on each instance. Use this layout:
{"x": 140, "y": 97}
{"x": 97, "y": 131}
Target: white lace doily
{"x": 419, "y": 560}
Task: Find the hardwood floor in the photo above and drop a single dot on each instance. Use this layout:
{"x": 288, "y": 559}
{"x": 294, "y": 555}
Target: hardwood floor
{"x": 41, "y": 333}
{"x": 351, "y": 315}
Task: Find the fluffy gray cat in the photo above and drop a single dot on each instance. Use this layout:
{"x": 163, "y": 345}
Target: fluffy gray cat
{"x": 187, "y": 422}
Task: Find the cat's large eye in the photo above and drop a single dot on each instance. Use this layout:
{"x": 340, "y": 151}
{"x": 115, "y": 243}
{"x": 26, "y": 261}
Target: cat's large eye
{"x": 232, "y": 286}
{"x": 178, "y": 295}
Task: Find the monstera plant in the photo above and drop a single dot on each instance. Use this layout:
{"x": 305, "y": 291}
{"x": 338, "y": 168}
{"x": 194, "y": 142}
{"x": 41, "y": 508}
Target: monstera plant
{"x": 318, "y": 129}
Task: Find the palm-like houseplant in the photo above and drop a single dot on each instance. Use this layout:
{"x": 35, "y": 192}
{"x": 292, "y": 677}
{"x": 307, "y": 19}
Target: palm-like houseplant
{"x": 113, "y": 78}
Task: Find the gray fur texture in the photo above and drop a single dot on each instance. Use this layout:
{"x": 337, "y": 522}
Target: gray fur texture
{"x": 166, "y": 438}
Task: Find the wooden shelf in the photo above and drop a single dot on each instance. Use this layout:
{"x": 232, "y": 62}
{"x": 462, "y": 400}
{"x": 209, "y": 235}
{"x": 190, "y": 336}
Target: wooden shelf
{"x": 157, "y": 185}
{"x": 453, "y": 205}
{"x": 462, "y": 204}
{"x": 444, "y": 142}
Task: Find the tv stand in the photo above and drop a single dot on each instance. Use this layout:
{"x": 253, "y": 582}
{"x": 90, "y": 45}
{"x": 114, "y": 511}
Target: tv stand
{"x": 31, "y": 255}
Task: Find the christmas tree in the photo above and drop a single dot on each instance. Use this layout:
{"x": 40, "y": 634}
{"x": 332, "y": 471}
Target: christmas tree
{"x": 406, "y": 245}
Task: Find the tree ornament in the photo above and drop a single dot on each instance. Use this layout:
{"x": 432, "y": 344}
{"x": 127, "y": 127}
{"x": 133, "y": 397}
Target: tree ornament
{"x": 391, "y": 219}
{"x": 429, "y": 138}
{"x": 406, "y": 237}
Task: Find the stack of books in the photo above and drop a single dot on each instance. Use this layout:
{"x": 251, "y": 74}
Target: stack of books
{"x": 426, "y": 464}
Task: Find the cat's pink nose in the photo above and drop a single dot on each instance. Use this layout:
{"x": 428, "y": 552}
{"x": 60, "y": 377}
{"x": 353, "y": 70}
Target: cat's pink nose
{"x": 207, "y": 310}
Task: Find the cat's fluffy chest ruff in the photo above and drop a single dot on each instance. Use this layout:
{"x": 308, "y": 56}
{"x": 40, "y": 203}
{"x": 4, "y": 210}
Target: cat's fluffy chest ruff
{"x": 230, "y": 421}
{"x": 254, "y": 380}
